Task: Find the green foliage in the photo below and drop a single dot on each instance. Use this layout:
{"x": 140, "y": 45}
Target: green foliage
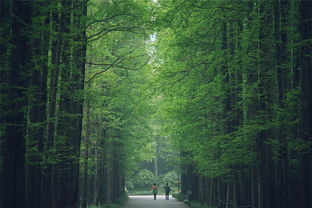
{"x": 179, "y": 196}
{"x": 212, "y": 84}
{"x": 115, "y": 97}
{"x": 173, "y": 179}
{"x": 213, "y": 76}
{"x": 109, "y": 205}
{"x": 118, "y": 203}
{"x": 142, "y": 180}
{"x": 196, "y": 204}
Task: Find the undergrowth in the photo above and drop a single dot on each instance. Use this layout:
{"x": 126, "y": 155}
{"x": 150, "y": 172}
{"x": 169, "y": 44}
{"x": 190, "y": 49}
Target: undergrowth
{"x": 117, "y": 204}
{"x": 179, "y": 196}
{"x": 196, "y": 204}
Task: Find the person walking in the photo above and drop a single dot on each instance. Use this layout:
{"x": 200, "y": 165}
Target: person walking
{"x": 155, "y": 190}
{"x": 167, "y": 191}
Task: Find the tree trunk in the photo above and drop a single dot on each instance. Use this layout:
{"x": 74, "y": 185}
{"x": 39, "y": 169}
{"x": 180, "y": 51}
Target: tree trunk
{"x": 76, "y": 104}
{"x": 5, "y": 22}
{"x": 37, "y": 111}
{"x": 156, "y": 171}
{"x": 14, "y": 120}
{"x": 86, "y": 156}
{"x": 63, "y": 179}
{"x": 49, "y": 199}
{"x": 305, "y": 120}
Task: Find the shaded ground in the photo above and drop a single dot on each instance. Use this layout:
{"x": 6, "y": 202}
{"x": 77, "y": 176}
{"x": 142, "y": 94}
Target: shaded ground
{"x": 149, "y": 202}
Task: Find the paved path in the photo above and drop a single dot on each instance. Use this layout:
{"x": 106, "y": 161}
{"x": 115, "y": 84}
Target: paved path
{"x": 149, "y": 202}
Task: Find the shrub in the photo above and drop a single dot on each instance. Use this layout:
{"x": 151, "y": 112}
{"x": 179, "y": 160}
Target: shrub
{"x": 179, "y": 196}
{"x": 141, "y": 181}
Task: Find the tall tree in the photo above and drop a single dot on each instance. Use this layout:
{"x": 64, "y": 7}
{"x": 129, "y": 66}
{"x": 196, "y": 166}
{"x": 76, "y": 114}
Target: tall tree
{"x": 14, "y": 101}
{"x": 237, "y": 122}
{"x": 37, "y": 96}
{"x": 305, "y": 60}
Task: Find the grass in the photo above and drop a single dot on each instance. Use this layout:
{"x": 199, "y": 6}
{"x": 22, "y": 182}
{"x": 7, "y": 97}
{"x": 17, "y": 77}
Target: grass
{"x": 118, "y": 204}
{"x": 179, "y": 196}
{"x": 145, "y": 192}
{"x": 196, "y": 204}
{"x": 142, "y": 192}
{"x": 106, "y": 206}
{"x": 191, "y": 204}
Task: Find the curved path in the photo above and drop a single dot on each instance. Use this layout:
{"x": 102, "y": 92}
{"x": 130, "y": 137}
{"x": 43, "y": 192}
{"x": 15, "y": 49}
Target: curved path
{"x": 149, "y": 202}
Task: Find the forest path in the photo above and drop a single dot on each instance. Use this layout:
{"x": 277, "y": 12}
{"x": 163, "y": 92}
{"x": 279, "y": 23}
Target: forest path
{"x": 149, "y": 202}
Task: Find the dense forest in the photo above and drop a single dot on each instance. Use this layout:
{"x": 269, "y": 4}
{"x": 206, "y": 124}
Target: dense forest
{"x": 238, "y": 99}
{"x": 102, "y": 97}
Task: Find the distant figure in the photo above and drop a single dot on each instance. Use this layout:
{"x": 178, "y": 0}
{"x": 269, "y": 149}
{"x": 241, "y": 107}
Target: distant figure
{"x": 167, "y": 191}
{"x": 155, "y": 190}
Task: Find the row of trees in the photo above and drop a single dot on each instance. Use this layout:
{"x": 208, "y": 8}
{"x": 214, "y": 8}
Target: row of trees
{"x": 52, "y": 54}
{"x": 43, "y": 50}
{"x": 116, "y": 115}
{"x": 235, "y": 80}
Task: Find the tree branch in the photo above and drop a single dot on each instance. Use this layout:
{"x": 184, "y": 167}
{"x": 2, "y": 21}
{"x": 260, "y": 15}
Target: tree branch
{"x": 106, "y": 19}
{"x": 100, "y": 72}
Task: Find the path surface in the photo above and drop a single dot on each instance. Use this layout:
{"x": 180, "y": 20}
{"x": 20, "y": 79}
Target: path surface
{"x": 149, "y": 202}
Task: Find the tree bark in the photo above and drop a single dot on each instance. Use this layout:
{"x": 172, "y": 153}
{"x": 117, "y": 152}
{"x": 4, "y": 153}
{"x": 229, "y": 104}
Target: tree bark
{"x": 86, "y": 156}
{"x": 14, "y": 120}
{"x": 37, "y": 111}
{"x": 48, "y": 198}
{"x": 305, "y": 119}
